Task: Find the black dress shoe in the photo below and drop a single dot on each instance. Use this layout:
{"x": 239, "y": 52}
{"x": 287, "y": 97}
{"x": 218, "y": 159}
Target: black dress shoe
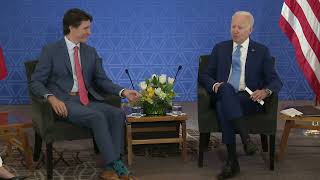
{"x": 15, "y": 178}
{"x": 231, "y": 169}
{"x": 249, "y": 147}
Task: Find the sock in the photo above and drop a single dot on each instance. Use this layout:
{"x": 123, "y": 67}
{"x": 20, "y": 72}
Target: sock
{"x": 232, "y": 152}
{"x": 120, "y": 168}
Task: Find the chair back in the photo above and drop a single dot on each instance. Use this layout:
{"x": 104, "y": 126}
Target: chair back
{"x": 203, "y": 63}
{"x": 30, "y": 66}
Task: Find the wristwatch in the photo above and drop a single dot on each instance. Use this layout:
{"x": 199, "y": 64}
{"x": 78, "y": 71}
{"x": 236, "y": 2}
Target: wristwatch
{"x": 268, "y": 91}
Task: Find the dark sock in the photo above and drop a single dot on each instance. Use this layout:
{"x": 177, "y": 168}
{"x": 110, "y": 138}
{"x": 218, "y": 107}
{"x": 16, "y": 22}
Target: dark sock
{"x": 232, "y": 152}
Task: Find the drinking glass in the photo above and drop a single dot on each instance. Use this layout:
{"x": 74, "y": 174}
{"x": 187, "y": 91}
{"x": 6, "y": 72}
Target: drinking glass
{"x": 176, "y": 108}
{"x": 136, "y": 111}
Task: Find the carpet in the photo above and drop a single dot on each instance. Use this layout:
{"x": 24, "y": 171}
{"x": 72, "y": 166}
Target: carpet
{"x": 77, "y": 160}
{"x": 163, "y": 162}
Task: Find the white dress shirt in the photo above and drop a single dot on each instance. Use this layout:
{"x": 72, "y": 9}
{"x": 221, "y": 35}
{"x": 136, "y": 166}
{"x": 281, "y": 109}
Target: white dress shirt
{"x": 70, "y": 46}
{"x": 0, "y": 162}
{"x": 243, "y": 58}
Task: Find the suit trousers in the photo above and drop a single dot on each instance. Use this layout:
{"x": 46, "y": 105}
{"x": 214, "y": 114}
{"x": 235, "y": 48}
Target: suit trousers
{"x": 106, "y": 122}
{"x": 230, "y": 107}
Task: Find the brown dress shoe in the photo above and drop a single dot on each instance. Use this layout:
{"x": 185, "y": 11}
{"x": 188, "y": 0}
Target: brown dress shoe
{"x": 128, "y": 177}
{"x": 109, "y": 175}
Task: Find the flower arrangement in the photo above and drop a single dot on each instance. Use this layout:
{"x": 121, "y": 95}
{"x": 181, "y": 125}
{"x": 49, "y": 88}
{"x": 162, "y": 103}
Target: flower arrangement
{"x": 157, "y": 94}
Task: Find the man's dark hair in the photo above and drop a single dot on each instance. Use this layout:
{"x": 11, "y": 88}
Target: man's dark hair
{"x": 74, "y": 17}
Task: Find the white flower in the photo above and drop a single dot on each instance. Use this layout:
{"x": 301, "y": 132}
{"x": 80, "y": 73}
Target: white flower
{"x": 162, "y": 95}
{"x": 163, "y": 78}
{"x": 153, "y": 75}
{"x": 170, "y": 80}
{"x": 143, "y": 85}
{"x": 158, "y": 91}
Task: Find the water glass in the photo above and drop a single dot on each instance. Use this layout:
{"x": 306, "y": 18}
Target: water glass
{"x": 176, "y": 109}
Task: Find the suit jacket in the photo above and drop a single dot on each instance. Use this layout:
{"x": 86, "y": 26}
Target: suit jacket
{"x": 259, "y": 69}
{"x": 53, "y": 73}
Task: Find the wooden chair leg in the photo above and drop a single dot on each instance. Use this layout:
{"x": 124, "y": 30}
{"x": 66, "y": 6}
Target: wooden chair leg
{"x": 264, "y": 142}
{"x": 272, "y": 140}
{"x": 49, "y": 161}
{"x": 96, "y": 149}
{"x": 203, "y": 145}
{"x": 37, "y": 146}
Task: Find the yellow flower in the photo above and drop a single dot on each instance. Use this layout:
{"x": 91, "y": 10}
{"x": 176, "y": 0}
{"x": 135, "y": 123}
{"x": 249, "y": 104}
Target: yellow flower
{"x": 150, "y": 91}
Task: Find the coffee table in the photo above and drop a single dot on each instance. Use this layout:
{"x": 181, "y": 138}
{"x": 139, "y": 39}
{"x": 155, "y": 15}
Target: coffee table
{"x": 12, "y": 131}
{"x": 297, "y": 122}
{"x": 153, "y": 119}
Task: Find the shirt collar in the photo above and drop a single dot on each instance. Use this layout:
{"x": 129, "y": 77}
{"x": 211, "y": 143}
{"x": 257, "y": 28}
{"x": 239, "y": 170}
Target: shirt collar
{"x": 70, "y": 44}
{"x": 244, "y": 45}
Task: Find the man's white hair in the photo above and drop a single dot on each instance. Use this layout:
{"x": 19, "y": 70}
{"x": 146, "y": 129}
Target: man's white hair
{"x": 245, "y": 13}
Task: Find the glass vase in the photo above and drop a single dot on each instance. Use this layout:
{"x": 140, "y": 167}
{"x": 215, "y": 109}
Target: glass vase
{"x": 155, "y": 109}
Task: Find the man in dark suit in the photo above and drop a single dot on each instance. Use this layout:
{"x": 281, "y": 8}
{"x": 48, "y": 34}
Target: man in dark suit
{"x": 65, "y": 75}
{"x": 233, "y": 66}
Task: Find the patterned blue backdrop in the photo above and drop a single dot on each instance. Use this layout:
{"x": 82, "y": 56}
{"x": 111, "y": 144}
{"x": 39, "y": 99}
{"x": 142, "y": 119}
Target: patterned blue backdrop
{"x": 145, "y": 36}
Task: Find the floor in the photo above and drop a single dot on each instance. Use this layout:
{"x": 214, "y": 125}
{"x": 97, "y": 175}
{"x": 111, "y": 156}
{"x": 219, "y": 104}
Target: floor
{"x": 301, "y": 160}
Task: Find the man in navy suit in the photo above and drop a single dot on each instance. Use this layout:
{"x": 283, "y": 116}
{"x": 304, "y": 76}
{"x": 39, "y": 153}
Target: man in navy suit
{"x": 65, "y": 75}
{"x": 233, "y": 66}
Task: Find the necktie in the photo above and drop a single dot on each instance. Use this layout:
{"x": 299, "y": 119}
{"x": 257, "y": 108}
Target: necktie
{"x": 234, "y": 79}
{"x": 83, "y": 93}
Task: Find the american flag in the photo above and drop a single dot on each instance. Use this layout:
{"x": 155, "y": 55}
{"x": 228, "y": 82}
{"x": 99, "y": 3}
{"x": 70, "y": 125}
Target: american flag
{"x": 300, "y": 22}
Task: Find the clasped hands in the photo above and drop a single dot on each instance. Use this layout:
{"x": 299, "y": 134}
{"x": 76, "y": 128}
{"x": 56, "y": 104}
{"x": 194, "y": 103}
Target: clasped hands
{"x": 60, "y": 108}
{"x": 256, "y": 96}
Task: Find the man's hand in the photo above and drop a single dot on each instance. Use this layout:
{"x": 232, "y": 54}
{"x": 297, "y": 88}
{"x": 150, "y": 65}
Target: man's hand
{"x": 259, "y": 95}
{"x": 132, "y": 95}
{"x": 58, "y": 106}
{"x": 216, "y": 87}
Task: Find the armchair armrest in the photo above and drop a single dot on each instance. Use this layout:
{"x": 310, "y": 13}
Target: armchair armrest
{"x": 271, "y": 105}
{"x": 207, "y": 121}
{"x": 42, "y": 115}
{"x": 112, "y": 100}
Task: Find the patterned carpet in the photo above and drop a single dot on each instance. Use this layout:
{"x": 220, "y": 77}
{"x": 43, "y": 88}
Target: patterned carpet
{"x": 80, "y": 162}
{"x": 160, "y": 162}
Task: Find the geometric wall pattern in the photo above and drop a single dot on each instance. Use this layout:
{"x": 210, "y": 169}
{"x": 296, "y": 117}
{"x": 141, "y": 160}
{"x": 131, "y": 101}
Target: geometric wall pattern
{"x": 145, "y": 36}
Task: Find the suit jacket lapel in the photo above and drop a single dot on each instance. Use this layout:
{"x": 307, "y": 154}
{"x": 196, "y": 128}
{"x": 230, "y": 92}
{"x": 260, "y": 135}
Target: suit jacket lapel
{"x": 65, "y": 54}
{"x": 228, "y": 62}
{"x": 84, "y": 61}
{"x": 250, "y": 58}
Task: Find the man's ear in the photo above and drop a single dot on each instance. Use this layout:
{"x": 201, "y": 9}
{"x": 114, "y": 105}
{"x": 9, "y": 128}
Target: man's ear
{"x": 250, "y": 30}
{"x": 70, "y": 28}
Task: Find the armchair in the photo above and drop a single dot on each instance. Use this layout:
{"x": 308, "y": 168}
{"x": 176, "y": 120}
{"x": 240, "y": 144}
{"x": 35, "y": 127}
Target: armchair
{"x": 264, "y": 123}
{"x": 49, "y": 130}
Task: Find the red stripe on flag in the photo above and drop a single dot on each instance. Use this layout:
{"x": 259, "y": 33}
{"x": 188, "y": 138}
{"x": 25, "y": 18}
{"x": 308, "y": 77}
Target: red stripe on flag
{"x": 315, "y": 6}
{"x": 3, "y": 68}
{"x": 306, "y": 27}
{"x": 302, "y": 61}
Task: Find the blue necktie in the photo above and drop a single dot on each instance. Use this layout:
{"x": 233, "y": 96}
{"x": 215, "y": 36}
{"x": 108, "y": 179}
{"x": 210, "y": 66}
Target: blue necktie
{"x": 234, "y": 79}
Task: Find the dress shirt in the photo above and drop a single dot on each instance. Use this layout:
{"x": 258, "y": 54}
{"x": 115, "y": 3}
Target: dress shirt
{"x": 243, "y": 58}
{"x": 70, "y": 47}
